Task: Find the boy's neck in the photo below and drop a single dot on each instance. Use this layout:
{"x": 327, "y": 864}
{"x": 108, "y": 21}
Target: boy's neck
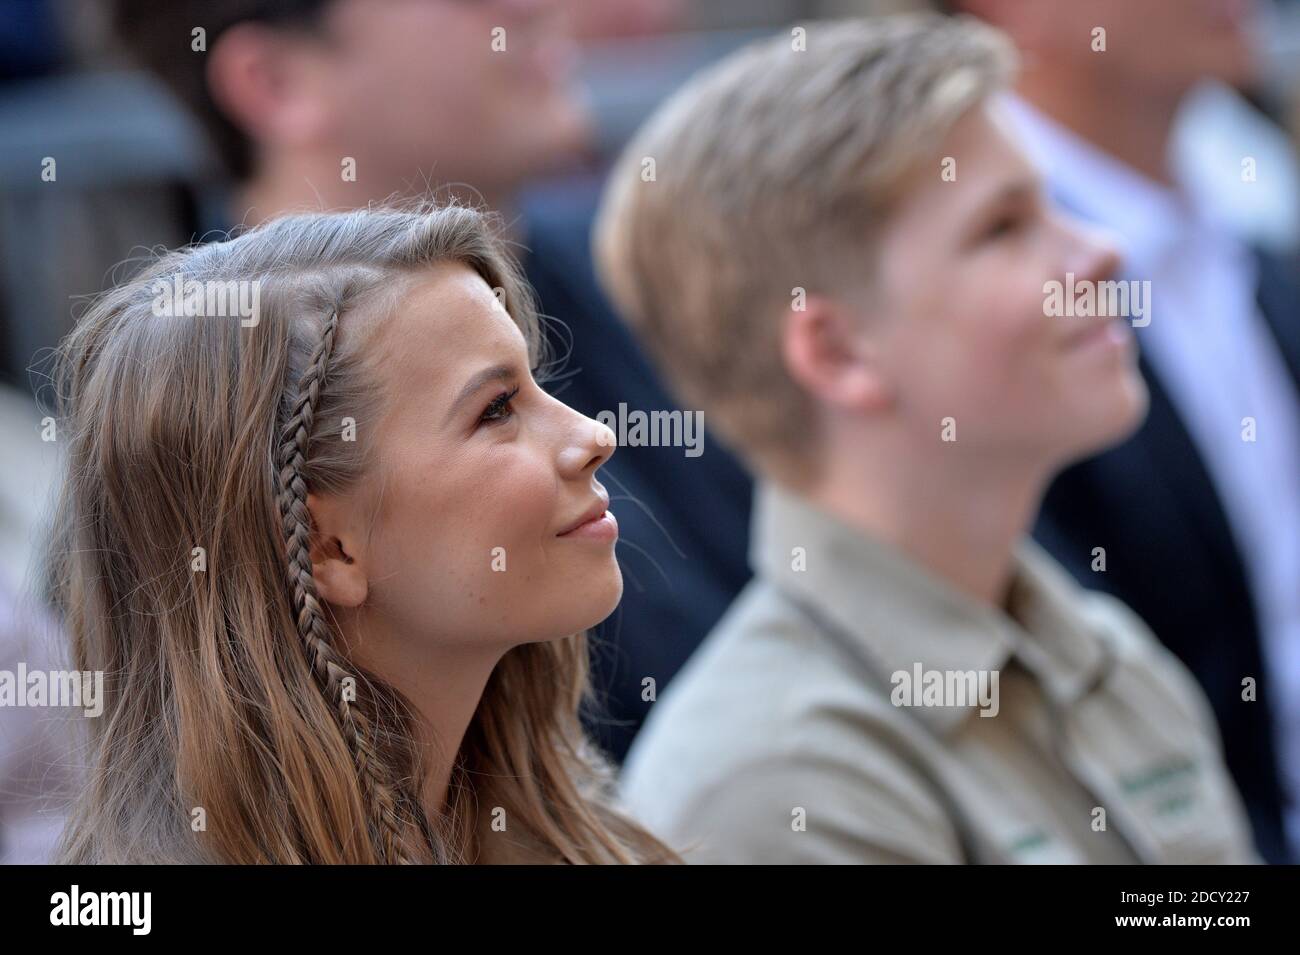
{"x": 962, "y": 523}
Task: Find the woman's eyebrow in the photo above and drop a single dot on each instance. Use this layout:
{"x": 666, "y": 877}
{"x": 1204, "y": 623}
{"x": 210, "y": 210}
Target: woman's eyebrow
{"x": 477, "y": 381}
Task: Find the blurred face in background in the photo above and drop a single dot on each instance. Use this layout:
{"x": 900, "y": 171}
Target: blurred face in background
{"x": 619, "y": 19}
{"x": 463, "y": 91}
{"x": 963, "y": 329}
{"x": 1161, "y": 45}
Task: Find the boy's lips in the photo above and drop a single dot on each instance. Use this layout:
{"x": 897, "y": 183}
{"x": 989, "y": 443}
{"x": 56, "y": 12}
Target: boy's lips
{"x": 1097, "y": 331}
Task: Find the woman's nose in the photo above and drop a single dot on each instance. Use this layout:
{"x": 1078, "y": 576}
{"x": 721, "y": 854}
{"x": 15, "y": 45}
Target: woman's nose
{"x": 591, "y": 444}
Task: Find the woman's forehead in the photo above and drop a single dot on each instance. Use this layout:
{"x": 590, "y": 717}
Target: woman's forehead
{"x": 447, "y": 321}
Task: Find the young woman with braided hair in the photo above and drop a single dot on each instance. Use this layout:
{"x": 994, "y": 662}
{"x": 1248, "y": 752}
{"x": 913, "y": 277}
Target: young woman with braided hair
{"x": 335, "y": 560}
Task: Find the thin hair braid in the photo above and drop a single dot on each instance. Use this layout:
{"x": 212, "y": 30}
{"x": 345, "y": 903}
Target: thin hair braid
{"x": 327, "y": 664}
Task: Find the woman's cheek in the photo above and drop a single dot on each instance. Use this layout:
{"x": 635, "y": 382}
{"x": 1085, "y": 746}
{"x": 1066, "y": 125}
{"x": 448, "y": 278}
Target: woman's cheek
{"x": 514, "y": 513}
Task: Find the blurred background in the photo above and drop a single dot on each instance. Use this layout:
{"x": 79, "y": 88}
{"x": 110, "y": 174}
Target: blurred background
{"x": 135, "y": 171}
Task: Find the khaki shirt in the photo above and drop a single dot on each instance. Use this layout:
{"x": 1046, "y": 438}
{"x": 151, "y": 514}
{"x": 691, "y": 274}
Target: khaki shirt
{"x": 791, "y": 734}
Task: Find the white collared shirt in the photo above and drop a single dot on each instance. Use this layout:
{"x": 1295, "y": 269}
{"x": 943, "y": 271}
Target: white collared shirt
{"x": 1223, "y": 371}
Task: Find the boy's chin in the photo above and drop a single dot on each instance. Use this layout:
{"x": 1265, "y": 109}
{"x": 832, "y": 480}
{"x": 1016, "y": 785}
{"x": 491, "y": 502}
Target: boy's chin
{"x": 1115, "y": 419}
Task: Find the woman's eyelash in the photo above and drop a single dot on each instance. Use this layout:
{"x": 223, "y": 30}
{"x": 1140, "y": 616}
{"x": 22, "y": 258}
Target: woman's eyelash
{"x": 499, "y": 409}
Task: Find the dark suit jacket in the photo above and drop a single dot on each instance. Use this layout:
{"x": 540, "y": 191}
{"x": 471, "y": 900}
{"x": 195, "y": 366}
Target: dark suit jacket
{"x": 1172, "y": 558}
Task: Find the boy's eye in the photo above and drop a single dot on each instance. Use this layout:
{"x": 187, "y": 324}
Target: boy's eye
{"x": 499, "y": 409}
{"x": 1003, "y": 226}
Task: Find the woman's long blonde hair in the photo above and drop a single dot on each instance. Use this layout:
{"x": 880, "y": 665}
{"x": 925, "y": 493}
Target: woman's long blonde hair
{"x": 234, "y": 729}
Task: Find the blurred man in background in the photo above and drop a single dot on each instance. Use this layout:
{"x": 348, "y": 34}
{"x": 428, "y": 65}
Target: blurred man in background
{"x": 1194, "y": 522}
{"x": 334, "y": 105}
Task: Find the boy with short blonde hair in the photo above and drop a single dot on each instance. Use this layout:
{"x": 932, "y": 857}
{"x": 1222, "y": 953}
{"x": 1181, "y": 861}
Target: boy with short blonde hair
{"x": 832, "y": 246}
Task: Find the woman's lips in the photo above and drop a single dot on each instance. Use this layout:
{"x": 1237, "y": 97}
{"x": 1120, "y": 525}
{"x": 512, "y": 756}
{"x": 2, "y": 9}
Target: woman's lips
{"x": 601, "y": 527}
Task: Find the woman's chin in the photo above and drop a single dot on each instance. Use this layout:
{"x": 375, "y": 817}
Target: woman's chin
{"x": 606, "y": 601}
{"x": 591, "y": 601}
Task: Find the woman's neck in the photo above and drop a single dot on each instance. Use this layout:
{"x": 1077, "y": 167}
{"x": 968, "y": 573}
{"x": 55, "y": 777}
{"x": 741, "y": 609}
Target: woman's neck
{"x": 443, "y": 685}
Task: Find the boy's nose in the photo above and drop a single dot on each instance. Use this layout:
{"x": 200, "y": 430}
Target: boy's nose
{"x": 1094, "y": 253}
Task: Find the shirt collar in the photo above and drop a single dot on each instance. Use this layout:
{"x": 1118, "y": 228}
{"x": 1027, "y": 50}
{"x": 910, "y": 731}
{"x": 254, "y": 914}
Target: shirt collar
{"x": 896, "y": 613}
{"x": 1147, "y": 217}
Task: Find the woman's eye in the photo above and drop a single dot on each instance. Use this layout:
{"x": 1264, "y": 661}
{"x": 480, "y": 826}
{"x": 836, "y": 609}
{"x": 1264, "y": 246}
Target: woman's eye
{"x": 499, "y": 409}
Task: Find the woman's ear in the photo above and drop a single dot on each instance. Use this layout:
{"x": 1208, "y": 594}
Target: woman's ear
{"x": 826, "y": 353}
{"x": 336, "y": 558}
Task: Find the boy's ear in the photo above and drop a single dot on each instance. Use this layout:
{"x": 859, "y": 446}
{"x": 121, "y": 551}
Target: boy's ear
{"x": 336, "y": 557}
{"x": 828, "y": 355}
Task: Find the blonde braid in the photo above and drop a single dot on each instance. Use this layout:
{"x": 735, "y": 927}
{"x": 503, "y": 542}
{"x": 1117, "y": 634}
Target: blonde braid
{"x": 328, "y": 665}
